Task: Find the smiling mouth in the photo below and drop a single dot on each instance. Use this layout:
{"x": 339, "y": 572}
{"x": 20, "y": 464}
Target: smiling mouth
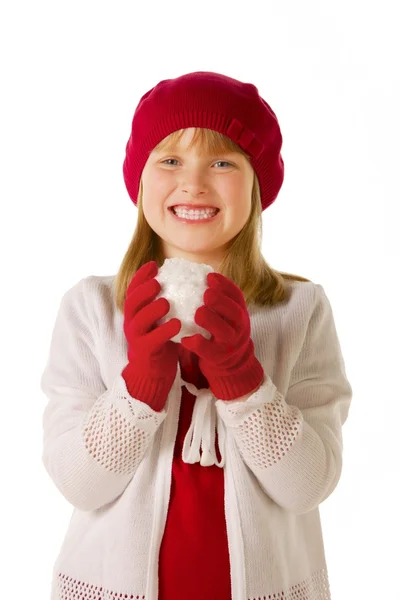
{"x": 193, "y": 207}
{"x": 194, "y": 218}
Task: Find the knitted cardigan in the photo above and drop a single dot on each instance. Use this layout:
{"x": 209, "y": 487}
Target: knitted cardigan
{"x": 112, "y": 457}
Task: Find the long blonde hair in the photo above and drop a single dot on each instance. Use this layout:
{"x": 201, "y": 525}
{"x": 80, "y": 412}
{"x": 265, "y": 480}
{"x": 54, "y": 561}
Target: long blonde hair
{"x": 243, "y": 263}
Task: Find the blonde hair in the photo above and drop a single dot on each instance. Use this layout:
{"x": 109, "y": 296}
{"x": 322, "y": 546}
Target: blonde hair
{"x": 243, "y": 263}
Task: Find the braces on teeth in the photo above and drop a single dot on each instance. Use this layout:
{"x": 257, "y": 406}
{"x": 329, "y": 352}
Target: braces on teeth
{"x": 194, "y": 212}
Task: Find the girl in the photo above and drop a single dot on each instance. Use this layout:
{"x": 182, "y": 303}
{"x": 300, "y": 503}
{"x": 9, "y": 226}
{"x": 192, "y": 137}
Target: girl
{"x": 196, "y": 470}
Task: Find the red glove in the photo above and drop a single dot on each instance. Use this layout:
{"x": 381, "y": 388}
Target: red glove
{"x": 227, "y": 360}
{"x": 153, "y": 358}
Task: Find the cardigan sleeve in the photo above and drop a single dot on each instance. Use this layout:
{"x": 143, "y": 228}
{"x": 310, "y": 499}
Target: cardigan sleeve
{"x": 293, "y": 444}
{"x": 94, "y": 438}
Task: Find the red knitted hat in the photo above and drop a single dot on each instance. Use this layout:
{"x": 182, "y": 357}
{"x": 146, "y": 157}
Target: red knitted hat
{"x": 214, "y": 101}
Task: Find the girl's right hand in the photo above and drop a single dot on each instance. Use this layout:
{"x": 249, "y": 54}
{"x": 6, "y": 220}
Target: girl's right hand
{"x": 152, "y": 356}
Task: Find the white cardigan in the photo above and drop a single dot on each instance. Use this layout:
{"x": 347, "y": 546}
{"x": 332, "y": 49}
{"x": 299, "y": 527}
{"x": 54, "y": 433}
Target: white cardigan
{"x": 110, "y": 455}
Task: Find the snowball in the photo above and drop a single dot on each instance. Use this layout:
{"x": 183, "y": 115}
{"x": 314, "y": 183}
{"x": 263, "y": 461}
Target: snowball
{"x": 183, "y": 284}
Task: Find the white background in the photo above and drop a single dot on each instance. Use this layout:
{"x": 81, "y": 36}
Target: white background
{"x": 72, "y": 74}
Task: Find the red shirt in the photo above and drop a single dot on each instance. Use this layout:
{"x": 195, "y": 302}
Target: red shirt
{"x": 194, "y": 556}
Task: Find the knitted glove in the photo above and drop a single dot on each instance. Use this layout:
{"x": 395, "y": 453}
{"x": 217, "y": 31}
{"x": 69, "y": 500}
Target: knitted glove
{"x": 227, "y": 360}
{"x": 153, "y": 360}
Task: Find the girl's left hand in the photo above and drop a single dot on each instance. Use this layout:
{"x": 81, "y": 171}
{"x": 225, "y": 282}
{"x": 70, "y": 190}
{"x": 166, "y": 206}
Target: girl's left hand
{"x": 227, "y": 360}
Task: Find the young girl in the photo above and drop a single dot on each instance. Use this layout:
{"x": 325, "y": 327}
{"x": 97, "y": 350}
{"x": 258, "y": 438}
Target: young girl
{"x": 196, "y": 470}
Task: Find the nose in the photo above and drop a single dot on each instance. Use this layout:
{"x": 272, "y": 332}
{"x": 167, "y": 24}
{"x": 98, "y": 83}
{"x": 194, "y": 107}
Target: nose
{"x": 195, "y": 186}
{"x": 193, "y": 192}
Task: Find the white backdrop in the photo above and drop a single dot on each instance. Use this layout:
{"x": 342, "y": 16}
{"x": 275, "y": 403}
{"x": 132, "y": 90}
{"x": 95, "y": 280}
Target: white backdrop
{"x": 72, "y": 74}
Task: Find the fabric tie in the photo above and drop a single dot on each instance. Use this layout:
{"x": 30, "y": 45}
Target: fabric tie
{"x": 201, "y": 432}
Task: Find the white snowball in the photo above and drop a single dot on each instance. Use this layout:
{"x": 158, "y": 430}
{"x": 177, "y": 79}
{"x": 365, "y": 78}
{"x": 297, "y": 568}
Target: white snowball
{"x": 183, "y": 284}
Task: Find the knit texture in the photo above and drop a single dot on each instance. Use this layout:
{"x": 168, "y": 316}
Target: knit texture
{"x": 152, "y": 392}
{"x": 138, "y": 511}
{"x": 213, "y": 101}
{"x": 152, "y": 357}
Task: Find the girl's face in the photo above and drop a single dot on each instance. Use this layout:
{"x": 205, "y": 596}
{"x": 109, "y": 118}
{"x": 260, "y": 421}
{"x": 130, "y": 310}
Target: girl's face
{"x": 186, "y": 178}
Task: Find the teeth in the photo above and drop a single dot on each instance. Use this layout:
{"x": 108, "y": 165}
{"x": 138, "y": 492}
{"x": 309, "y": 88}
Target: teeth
{"x": 193, "y": 213}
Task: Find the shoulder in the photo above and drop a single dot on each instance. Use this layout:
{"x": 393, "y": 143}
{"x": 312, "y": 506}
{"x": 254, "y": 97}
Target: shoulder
{"x": 90, "y": 296}
{"x": 304, "y": 300}
{"x": 311, "y": 308}
{"x": 305, "y": 293}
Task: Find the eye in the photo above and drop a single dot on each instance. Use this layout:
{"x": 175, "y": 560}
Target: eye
{"x": 218, "y": 161}
{"x": 224, "y": 161}
{"x": 168, "y": 159}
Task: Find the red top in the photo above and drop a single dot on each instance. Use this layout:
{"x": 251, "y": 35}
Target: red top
{"x": 194, "y": 557}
